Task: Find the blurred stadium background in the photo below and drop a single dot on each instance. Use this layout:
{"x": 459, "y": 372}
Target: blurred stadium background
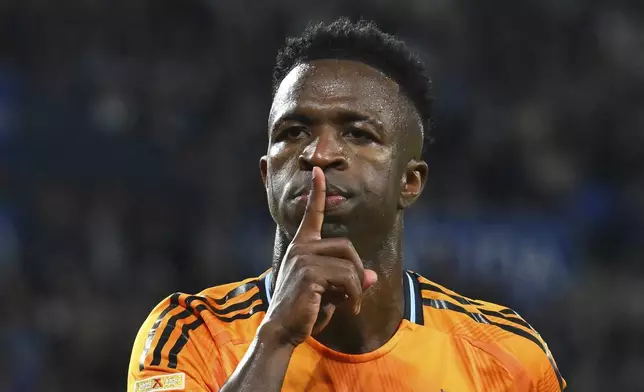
{"x": 130, "y": 133}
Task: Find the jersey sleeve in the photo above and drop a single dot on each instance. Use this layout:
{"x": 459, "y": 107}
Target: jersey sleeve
{"x": 549, "y": 382}
{"x": 170, "y": 351}
{"x": 529, "y": 348}
{"x": 497, "y": 331}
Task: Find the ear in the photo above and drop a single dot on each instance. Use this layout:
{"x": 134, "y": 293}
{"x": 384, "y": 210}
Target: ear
{"x": 263, "y": 169}
{"x": 413, "y": 181}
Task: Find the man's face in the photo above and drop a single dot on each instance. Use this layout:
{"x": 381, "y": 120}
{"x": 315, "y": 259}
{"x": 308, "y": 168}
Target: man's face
{"x": 348, "y": 119}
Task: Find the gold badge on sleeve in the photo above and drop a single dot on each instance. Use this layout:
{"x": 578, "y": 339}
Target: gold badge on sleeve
{"x": 168, "y": 382}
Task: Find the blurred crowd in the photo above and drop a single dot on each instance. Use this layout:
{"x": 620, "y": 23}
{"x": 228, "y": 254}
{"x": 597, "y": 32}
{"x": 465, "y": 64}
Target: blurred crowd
{"x": 130, "y": 133}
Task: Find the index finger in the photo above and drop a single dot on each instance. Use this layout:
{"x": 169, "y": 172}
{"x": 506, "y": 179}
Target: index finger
{"x": 311, "y": 225}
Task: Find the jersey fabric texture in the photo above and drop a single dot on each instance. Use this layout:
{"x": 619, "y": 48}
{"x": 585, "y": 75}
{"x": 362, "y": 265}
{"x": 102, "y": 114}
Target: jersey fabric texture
{"x": 445, "y": 343}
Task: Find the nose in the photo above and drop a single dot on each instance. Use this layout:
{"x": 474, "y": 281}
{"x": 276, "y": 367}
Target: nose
{"x": 325, "y": 151}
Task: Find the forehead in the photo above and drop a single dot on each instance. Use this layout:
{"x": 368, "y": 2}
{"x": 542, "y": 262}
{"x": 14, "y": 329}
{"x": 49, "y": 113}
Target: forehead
{"x": 337, "y": 84}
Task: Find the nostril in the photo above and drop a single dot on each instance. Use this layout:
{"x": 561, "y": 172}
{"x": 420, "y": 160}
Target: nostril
{"x": 305, "y": 164}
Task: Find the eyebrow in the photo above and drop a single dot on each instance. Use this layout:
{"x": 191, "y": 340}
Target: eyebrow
{"x": 351, "y": 116}
{"x": 340, "y": 117}
{"x": 294, "y": 116}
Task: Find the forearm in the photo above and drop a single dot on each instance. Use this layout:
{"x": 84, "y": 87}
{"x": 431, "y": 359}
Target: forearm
{"x": 263, "y": 367}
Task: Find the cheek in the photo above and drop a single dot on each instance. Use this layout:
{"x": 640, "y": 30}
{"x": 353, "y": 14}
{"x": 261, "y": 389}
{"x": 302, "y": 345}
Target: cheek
{"x": 388, "y": 179}
{"x": 274, "y": 151}
{"x": 380, "y": 180}
{"x": 279, "y": 172}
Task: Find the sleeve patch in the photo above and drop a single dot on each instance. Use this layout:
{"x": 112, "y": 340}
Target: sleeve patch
{"x": 169, "y": 382}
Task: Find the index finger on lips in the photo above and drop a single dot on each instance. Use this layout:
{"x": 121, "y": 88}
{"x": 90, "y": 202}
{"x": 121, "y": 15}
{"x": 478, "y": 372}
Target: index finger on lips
{"x": 311, "y": 225}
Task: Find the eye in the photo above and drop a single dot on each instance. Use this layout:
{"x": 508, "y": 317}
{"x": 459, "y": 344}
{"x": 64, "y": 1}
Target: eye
{"x": 359, "y": 135}
{"x": 293, "y": 133}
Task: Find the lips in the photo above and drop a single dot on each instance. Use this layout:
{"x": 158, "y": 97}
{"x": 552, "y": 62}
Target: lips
{"x": 335, "y": 196}
{"x": 331, "y": 202}
{"x": 332, "y": 190}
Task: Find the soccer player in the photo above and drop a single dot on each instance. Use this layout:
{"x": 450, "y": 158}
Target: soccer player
{"x": 337, "y": 311}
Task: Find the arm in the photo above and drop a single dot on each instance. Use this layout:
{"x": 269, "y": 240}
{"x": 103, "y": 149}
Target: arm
{"x": 264, "y": 365}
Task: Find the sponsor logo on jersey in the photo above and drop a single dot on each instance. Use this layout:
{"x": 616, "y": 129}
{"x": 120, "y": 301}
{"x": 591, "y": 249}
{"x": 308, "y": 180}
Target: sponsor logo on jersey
{"x": 169, "y": 382}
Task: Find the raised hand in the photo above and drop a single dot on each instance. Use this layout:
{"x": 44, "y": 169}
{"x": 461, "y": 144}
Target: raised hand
{"x": 316, "y": 275}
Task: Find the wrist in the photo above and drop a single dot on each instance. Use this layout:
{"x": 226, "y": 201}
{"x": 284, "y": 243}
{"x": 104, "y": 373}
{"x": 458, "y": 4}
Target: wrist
{"x": 272, "y": 337}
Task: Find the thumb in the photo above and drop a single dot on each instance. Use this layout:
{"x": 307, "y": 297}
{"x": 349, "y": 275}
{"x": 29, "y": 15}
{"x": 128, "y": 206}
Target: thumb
{"x": 370, "y": 277}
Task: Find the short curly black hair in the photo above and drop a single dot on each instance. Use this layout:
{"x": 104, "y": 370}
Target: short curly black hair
{"x": 361, "y": 41}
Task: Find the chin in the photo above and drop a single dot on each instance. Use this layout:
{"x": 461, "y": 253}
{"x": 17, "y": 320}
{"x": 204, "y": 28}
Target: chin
{"x": 334, "y": 229}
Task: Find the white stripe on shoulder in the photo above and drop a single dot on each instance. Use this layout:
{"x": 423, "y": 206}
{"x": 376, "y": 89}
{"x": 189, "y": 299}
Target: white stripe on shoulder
{"x": 412, "y": 299}
{"x": 267, "y": 284}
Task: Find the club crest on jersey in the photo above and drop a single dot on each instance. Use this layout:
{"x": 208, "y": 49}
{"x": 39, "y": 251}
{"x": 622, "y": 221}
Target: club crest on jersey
{"x": 169, "y": 382}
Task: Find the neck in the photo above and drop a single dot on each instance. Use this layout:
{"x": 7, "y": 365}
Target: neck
{"x": 382, "y": 305}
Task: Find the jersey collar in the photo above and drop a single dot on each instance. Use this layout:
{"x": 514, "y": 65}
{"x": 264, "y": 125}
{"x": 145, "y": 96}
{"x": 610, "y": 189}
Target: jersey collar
{"x": 413, "y": 301}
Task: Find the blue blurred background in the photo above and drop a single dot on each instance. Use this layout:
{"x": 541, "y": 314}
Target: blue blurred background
{"x": 130, "y": 133}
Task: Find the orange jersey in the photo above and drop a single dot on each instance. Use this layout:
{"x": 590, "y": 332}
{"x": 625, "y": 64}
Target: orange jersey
{"x": 445, "y": 343}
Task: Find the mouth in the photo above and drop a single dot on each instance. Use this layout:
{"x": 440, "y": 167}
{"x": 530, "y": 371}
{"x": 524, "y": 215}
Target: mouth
{"x": 335, "y": 196}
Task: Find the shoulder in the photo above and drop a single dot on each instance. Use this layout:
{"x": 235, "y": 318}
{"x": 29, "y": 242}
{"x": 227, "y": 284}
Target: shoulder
{"x": 493, "y": 329}
{"x": 184, "y": 330}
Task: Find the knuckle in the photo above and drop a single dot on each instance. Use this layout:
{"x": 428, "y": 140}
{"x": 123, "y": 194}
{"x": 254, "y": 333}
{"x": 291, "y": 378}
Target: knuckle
{"x": 353, "y": 278}
{"x": 346, "y": 275}
{"x": 295, "y": 258}
{"x": 306, "y": 274}
{"x": 296, "y": 249}
{"x": 345, "y": 243}
{"x": 312, "y": 287}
